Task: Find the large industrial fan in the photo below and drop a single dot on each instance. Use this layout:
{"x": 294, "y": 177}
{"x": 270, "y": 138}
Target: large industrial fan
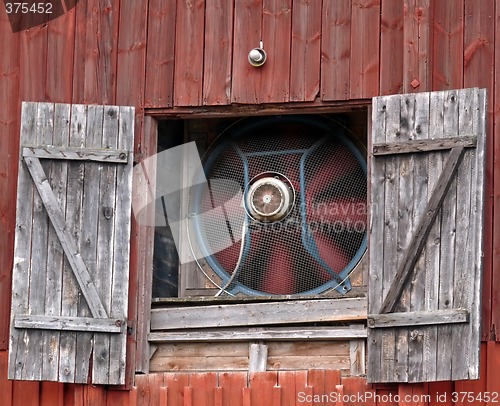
{"x": 299, "y": 224}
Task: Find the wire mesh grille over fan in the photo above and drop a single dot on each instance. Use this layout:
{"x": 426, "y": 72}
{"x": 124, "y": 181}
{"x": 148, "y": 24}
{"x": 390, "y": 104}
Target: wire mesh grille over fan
{"x": 318, "y": 241}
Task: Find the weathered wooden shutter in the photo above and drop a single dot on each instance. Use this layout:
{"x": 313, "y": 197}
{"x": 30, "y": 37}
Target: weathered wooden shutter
{"x": 426, "y": 218}
{"x": 71, "y": 259}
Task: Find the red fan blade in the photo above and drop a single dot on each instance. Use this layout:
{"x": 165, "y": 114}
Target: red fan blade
{"x": 337, "y": 166}
{"x": 331, "y": 253}
{"x": 348, "y": 214}
{"x": 279, "y": 277}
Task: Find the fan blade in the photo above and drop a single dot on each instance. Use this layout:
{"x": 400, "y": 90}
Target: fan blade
{"x": 340, "y": 164}
{"x": 331, "y": 253}
{"x": 279, "y": 278}
{"x": 348, "y": 214}
{"x": 228, "y": 258}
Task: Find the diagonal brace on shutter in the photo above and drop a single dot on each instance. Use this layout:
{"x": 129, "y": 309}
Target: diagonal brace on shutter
{"x": 422, "y": 231}
{"x": 68, "y": 243}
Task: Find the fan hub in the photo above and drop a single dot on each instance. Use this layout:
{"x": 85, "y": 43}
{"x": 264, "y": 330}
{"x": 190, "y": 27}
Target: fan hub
{"x": 269, "y": 198}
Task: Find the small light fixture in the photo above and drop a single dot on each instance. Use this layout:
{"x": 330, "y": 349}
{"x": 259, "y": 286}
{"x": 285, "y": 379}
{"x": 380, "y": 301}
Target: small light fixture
{"x": 257, "y": 56}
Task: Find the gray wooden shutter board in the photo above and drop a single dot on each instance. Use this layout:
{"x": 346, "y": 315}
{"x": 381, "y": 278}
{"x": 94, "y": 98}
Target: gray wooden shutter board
{"x": 80, "y": 158}
{"x": 434, "y": 332}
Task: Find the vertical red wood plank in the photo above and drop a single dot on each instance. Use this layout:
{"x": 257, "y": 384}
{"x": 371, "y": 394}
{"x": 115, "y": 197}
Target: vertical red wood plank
{"x": 175, "y": 384}
{"x": 417, "y": 19}
{"x": 132, "y": 400}
{"x": 332, "y": 379}
{"x": 306, "y": 50}
{"x": 262, "y": 384}
{"x": 301, "y": 386}
{"x": 316, "y": 380}
{"x": 354, "y": 386}
{"x": 276, "y": 34}
{"x": 413, "y": 394}
{"x": 365, "y": 41}
{"x": 247, "y": 35}
{"x": 335, "y": 50}
{"x": 448, "y": 31}
{"x": 231, "y": 384}
{"x": 218, "y": 396}
{"x": 476, "y": 386}
{"x": 492, "y": 368}
{"x": 95, "y": 396}
{"x": 491, "y": 262}
{"x": 340, "y": 395}
{"x": 26, "y": 393}
{"x": 391, "y": 47}
{"x": 60, "y": 50}
{"x": 79, "y": 52}
{"x": 203, "y": 385}
{"x": 441, "y": 393}
{"x": 188, "y": 396}
{"x": 51, "y": 394}
{"x": 163, "y": 396}
{"x": 143, "y": 386}
{"x": 189, "y": 38}
{"x": 385, "y": 397}
{"x": 118, "y": 398}
{"x": 247, "y": 396}
{"x": 218, "y": 52}
{"x": 33, "y": 63}
{"x": 95, "y": 59}
{"x": 10, "y": 115}
{"x": 286, "y": 382}
{"x": 5, "y": 384}
{"x": 160, "y": 54}
{"x": 131, "y": 71}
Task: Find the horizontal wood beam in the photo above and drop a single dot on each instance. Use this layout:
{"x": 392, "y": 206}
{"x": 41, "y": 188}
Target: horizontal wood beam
{"x": 61, "y": 323}
{"x": 418, "y": 318}
{"x": 423, "y": 229}
{"x": 235, "y": 110}
{"x": 77, "y": 154}
{"x": 407, "y": 147}
{"x": 264, "y": 334}
{"x": 262, "y": 314}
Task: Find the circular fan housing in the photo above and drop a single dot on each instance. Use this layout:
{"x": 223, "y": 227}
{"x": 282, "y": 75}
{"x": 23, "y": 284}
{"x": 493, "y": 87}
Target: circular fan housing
{"x": 300, "y": 224}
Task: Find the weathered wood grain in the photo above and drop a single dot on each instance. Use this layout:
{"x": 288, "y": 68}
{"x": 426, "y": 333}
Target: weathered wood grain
{"x": 22, "y": 243}
{"x": 67, "y": 241}
{"x": 68, "y": 323}
{"x": 276, "y": 31}
{"x": 447, "y": 40}
{"x": 218, "y": 52}
{"x": 160, "y": 56}
{"x": 423, "y": 145}
{"x": 392, "y": 28}
{"x": 257, "y": 357}
{"x": 418, "y": 318}
{"x": 188, "y": 70}
{"x": 417, "y": 45}
{"x": 79, "y": 198}
{"x": 245, "y": 86}
{"x": 439, "y": 283}
{"x": 76, "y": 154}
{"x": 258, "y": 314}
{"x": 422, "y": 231}
{"x": 305, "y": 63}
{"x": 418, "y": 130}
{"x": 365, "y": 44}
{"x": 258, "y": 334}
{"x": 335, "y": 50}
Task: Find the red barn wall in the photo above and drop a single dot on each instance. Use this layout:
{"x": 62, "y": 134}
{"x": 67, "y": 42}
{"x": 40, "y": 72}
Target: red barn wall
{"x": 178, "y": 55}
